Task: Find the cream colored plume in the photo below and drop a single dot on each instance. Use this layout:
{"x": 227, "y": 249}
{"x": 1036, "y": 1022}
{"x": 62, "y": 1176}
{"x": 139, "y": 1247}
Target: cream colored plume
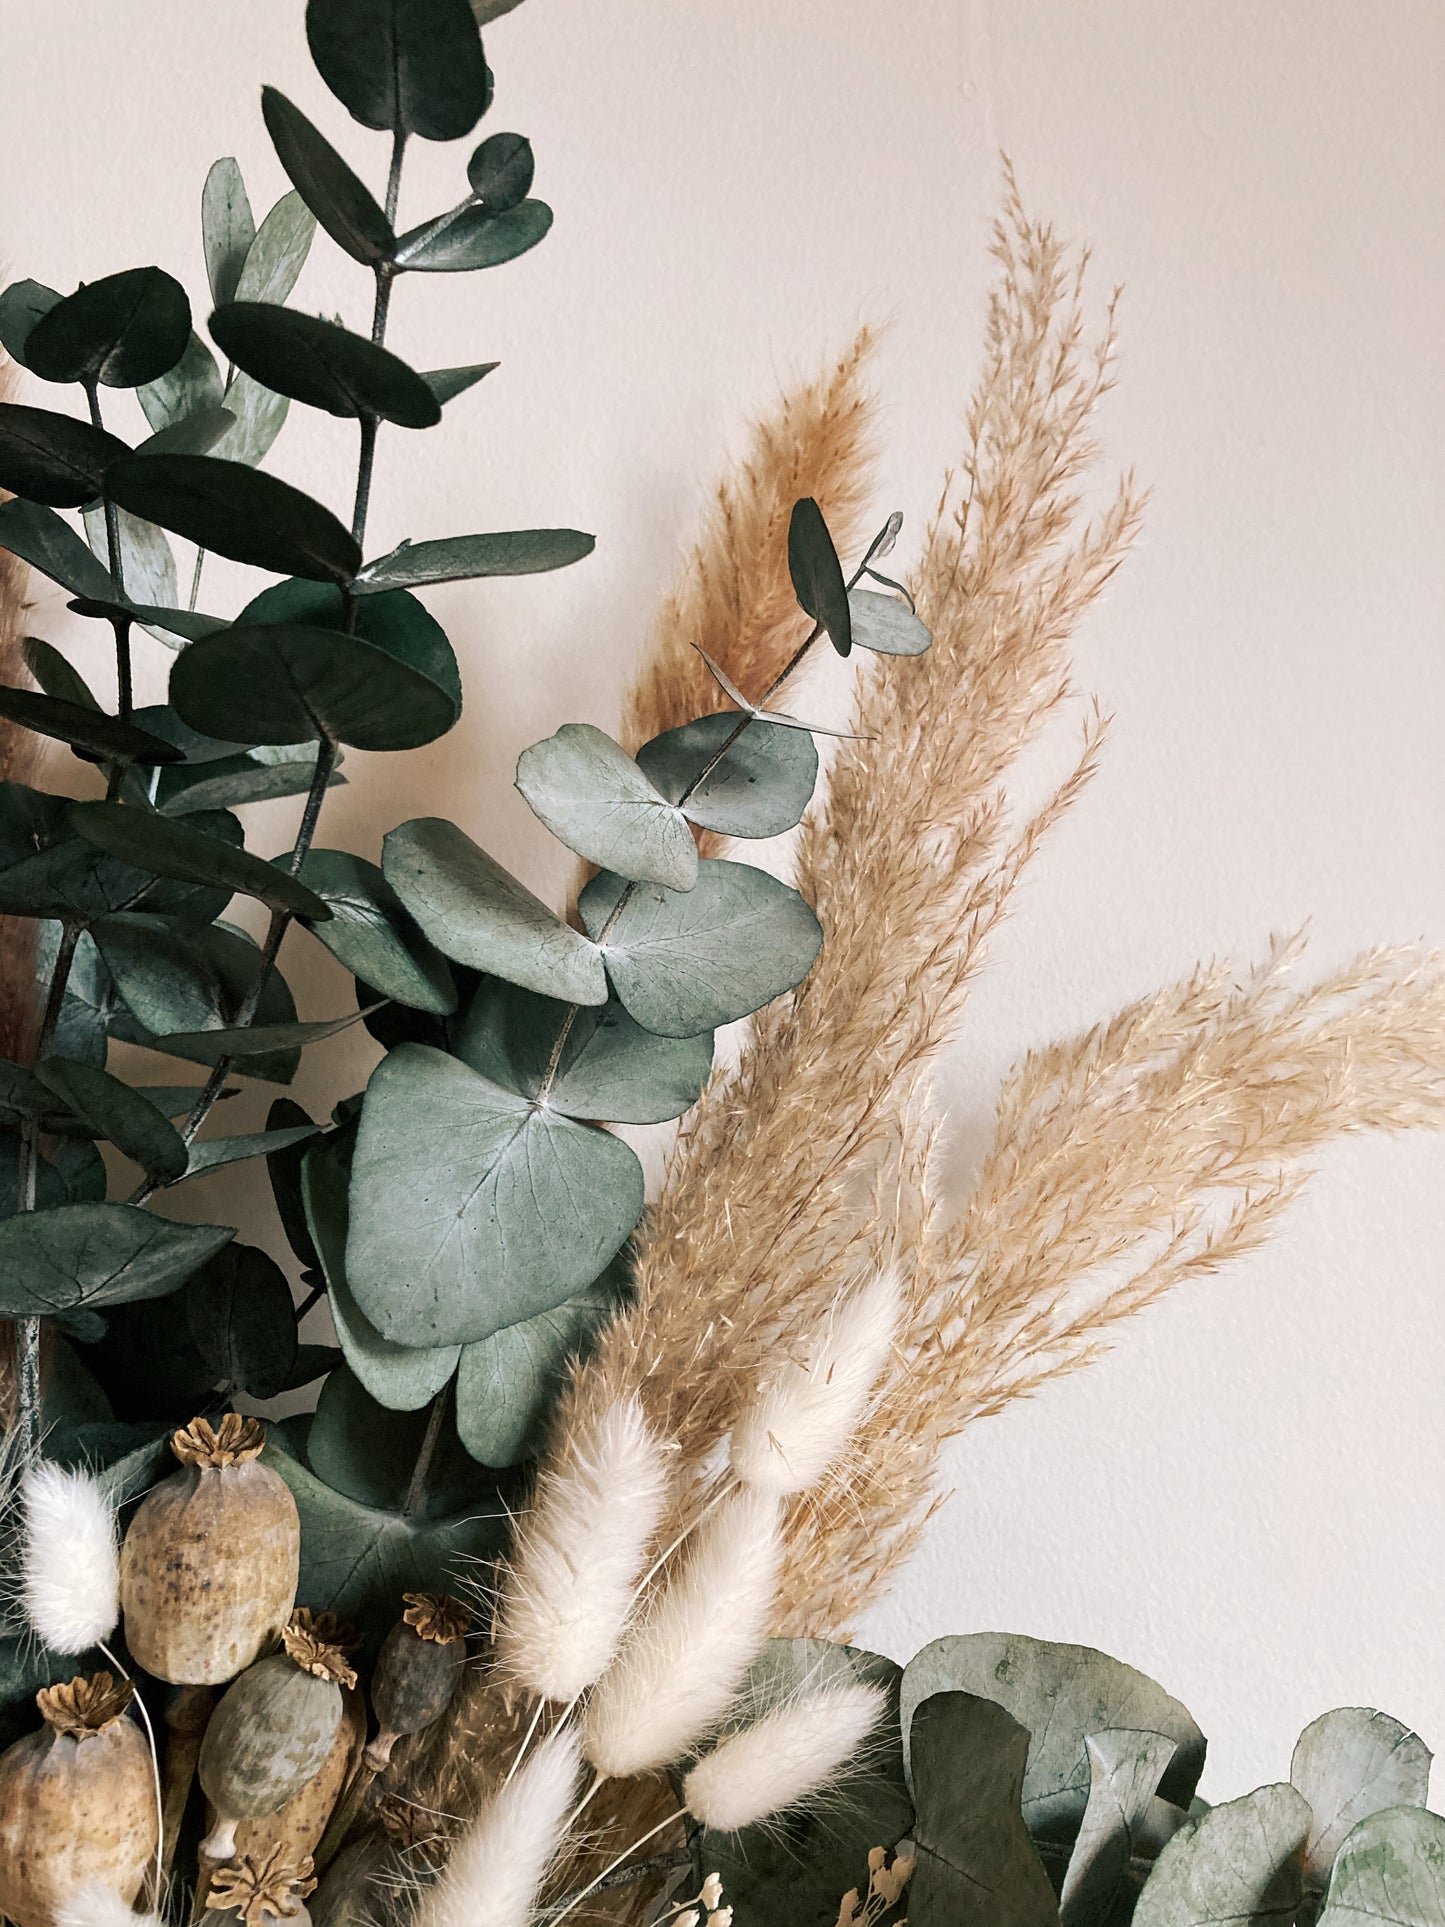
{"x": 767, "y": 1767}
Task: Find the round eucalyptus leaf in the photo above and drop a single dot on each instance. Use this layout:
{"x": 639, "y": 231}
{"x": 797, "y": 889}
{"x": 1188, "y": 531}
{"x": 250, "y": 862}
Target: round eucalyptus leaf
{"x": 113, "y": 1110}
{"x": 447, "y": 383}
{"x": 818, "y": 574}
{"x": 38, "y": 536}
{"x": 276, "y": 257}
{"x": 322, "y": 364}
{"x": 194, "y": 435}
{"x": 236, "y": 511}
{"x": 590, "y": 794}
{"x": 1125, "y": 1769}
{"x": 760, "y": 788}
{"x": 190, "y": 388}
{"x": 123, "y": 330}
{"x": 71, "y": 878}
{"x": 344, "y": 207}
{"x": 260, "y": 416}
{"x": 365, "y": 1450}
{"x": 257, "y": 775}
{"x": 471, "y": 1209}
{"x": 472, "y": 237}
{"x": 228, "y": 227}
{"x": 610, "y": 1069}
{"x": 96, "y": 1254}
{"x": 171, "y": 849}
{"x": 886, "y": 624}
{"x": 82, "y": 727}
{"x": 56, "y": 676}
{"x": 212, "y": 1153}
{"x": 251, "y": 1044}
{"x": 54, "y": 459}
{"x": 370, "y": 930}
{"x": 147, "y": 564}
{"x": 283, "y": 1168}
{"x": 1390, "y": 1872}
{"x": 507, "y": 1384}
{"x": 684, "y": 962}
{"x": 1240, "y": 1861}
{"x": 477, "y": 913}
{"x": 501, "y": 171}
{"x": 1348, "y": 1764}
{"x": 242, "y": 1322}
{"x": 411, "y": 66}
{"x": 21, "y": 306}
{"x": 462, "y": 558}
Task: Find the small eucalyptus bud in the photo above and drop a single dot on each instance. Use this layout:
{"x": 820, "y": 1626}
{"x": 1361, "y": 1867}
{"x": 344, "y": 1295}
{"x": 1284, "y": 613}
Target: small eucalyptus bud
{"x": 210, "y": 1562}
{"x": 418, "y": 1670}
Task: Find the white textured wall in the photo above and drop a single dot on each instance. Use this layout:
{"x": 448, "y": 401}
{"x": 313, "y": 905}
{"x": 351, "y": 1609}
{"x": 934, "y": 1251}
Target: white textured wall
{"x": 1246, "y": 1498}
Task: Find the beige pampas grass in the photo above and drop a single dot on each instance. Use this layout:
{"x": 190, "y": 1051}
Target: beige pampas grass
{"x": 498, "y": 1865}
{"x": 767, "y": 1767}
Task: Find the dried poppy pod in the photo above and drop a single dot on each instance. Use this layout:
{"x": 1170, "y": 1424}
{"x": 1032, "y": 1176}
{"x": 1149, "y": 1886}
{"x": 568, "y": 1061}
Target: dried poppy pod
{"x": 297, "y": 1829}
{"x": 209, "y": 1566}
{"x": 418, "y": 1669}
{"x": 77, "y": 1802}
{"x": 262, "y": 1890}
{"x": 271, "y": 1732}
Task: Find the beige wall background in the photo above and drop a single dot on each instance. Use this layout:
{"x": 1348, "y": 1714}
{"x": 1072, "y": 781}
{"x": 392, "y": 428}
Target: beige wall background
{"x": 1245, "y": 1498}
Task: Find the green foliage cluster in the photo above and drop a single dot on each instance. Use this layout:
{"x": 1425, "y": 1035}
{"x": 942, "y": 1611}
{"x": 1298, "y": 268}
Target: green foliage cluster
{"x": 1044, "y": 1785}
{"x": 467, "y": 1217}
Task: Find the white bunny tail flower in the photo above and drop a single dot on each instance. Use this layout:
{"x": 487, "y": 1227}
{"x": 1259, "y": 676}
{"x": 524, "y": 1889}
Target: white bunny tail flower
{"x": 579, "y": 1553}
{"x": 69, "y": 1558}
{"x": 500, "y": 1862}
{"x": 782, "y": 1758}
{"x": 93, "y": 1904}
{"x": 799, "y": 1421}
{"x": 677, "y": 1671}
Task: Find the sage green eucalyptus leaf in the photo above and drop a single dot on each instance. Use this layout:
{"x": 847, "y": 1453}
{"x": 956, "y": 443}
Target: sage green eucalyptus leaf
{"x": 685, "y": 962}
{"x": 1060, "y": 1694}
{"x": 53, "y": 459}
{"x": 818, "y": 574}
{"x": 238, "y": 512}
{"x": 408, "y": 66}
{"x": 488, "y": 10}
{"x": 463, "y": 558}
{"x": 477, "y": 913}
{"x": 591, "y": 795}
{"x": 283, "y": 1167}
{"x": 1349, "y": 1764}
{"x": 471, "y": 238}
{"x": 343, "y": 206}
{"x": 38, "y": 536}
{"x": 147, "y": 564}
{"x": 1390, "y": 1872}
{"x": 501, "y": 171}
{"x": 507, "y": 1384}
{"x": 171, "y": 849}
{"x": 257, "y": 775}
{"x": 251, "y": 1044}
{"x": 228, "y": 227}
{"x": 197, "y": 434}
{"x": 322, "y": 364}
{"x": 447, "y": 383}
{"x": 885, "y": 623}
{"x": 50, "y": 1186}
{"x": 1125, "y": 1769}
{"x": 471, "y": 1209}
{"x": 277, "y": 255}
{"x": 370, "y": 930}
{"x": 242, "y": 1322}
{"x": 85, "y": 1011}
{"x": 96, "y": 1254}
{"x": 190, "y": 388}
{"x": 368, "y": 1452}
{"x": 113, "y": 1110}
{"x": 260, "y": 416}
{"x": 83, "y": 727}
{"x": 73, "y": 879}
{"x": 21, "y": 305}
{"x": 1237, "y": 1866}
{"x": 211, "y": 1154}
{"x": 977, "y": 1866}
{"x": 760, "y": 788}
{"x": 122, "y": 331}
{"x": 609, "y": 1068}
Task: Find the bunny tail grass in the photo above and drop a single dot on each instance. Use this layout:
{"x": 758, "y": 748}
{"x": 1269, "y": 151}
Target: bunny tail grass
{"x": 70, "y": 1558}
{"x": 579, "y": 1553}
{"x": 677, "y": 1672}
{"x": 782, "y": 1758}
{"x": 93, "y": 1904}
{"x": 803, "y": 1415}
{"x": 498, "y": 1864}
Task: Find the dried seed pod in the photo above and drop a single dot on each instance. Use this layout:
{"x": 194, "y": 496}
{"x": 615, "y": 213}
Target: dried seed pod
{"x": 272, "y": 1732}
{"x": 209, "y": 1566}
{"x": 418, "y": 1669}
{"x": 262, "y": 1889}
{"x": 297, "y": 1828}
{"x": 77, "y": 1802}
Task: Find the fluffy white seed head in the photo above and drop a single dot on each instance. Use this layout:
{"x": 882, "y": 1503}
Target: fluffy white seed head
{"x": 69, "y": 1558}
{"x": 678, "y": 1669}
{"x": 579, "y": 1553}
{"x": 782, "y": 1758}
{"x": 500, "y": 1862}
{"x": 93, "y": 1904}
{"x": 800, "y": 1419}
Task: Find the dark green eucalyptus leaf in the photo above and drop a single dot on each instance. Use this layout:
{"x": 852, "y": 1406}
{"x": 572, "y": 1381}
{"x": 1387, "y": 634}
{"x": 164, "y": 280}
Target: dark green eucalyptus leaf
{"x": 147, "y": 565}
{"x": 462, "y": 558}
{"x": 260, "y": 416}
{"x": 479, "y": 914}
{"x": 21, "y": 306}
{"x": 343, "y": 206}
{"x": 238, "y": 512}
{"x": 818, "y": 574}
{"x": 590, "y": 794}
{"x": 447, "y": 383}
{"x": 250, "y": 776}
{"x": 53, "y": 459}
{"x": 470, "y": 1208}
{"x": 1349, "y": 1764}
{"x": 501, "y": 171}
{"x": 370, "y": 930}
{"x": 684, "y": 962}
{"x": 190, "y": 388}
{"x": 228, "y": 228}
{"x": 82, "y": 1032}
{"x": 196, "y": 435}
{"x": 50, "y": 1186}
{"x": 123, "y": 331}
{"x": 760, "y": 788}
{"x": 81, "y": 1170}
{"x": 312, "y": 1362}
{"x": 113, "y": 1110}
{"x": 188, "y": 623}
{"x": 242, "y": 1321}
{"x": 485, "y": 11}
{"x": 212, "y": 1153}
{"x": 39, "y": 537}
{"x": 172, "y": 849}
{"x": 253, "y": 1044}
{"x": 409, "y": 66}
{"x": 364, "y": 1449}
{"x": 1390, "y": 1872}
{"x": 148, "y": 1363}
{"x": 610, "y": 1069}
{"x": 322, "y": 364}
{"x": 161, "y": 720}
{"x": 471, "y": 237}
{"x": 887, "y": 624}
{"x": 277, "y": 255}
{"x": 82, "y": 727}
{"x": 1125, "y": 1769}
{"x": 97, "y": 1254}
{"x": 283, "y": 1167}
{"x": 73, "y": 879}
{"x": 1240, "y": 1863}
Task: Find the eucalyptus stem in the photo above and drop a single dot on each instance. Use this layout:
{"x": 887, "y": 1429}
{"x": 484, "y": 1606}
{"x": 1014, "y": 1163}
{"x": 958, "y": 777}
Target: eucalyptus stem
{"x": 416, "y": 1485}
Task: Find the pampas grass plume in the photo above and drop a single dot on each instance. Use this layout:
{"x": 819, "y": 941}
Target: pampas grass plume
{"x": 676, "y": 1673}
{"x": 70, "y": 1558}
{"x": 782, "y": 1758}
{"x": 93, "y": 1904}
{"x": 800, "y": 1420}
{"x": 579, "y": 1553}
{"x": 498, "y": 1864}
